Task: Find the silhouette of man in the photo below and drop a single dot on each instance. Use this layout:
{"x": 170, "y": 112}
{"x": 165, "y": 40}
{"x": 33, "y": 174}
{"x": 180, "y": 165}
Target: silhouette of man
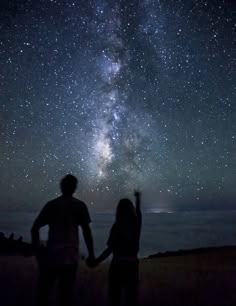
{"x": 63, "y": 215}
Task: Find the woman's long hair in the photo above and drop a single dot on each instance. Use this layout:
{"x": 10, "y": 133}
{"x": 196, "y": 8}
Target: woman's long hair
{"x": 125, "y": 213}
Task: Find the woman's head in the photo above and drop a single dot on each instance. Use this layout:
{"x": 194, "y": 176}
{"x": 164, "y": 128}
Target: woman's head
{"x": 125, "y": 211}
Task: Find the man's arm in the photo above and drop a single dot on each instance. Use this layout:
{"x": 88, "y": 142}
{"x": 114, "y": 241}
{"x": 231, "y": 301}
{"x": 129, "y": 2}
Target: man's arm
{"x": 35, "y": 238}
{"x": 40, "y": 221}
{"x": 88, "y": 239}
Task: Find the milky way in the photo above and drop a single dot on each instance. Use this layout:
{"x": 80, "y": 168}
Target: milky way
{"x": 123, "y": 94}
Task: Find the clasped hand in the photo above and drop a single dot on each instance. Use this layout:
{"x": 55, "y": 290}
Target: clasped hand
{"x": 91, "y": 262}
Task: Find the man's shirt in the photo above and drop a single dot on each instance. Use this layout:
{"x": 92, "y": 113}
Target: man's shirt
{"x": 63, "y": 216}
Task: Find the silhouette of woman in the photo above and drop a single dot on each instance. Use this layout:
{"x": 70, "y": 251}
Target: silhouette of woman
{"x": 123, "y": 243}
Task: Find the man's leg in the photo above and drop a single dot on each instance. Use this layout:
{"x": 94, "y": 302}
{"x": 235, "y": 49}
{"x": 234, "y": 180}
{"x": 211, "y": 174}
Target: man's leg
{"x": 46, "y": 281}
{"x": 66, "y": 284}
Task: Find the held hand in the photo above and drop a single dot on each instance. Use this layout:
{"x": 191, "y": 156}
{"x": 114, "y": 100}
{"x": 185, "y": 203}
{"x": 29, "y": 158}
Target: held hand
{"x": 91, "y": 262}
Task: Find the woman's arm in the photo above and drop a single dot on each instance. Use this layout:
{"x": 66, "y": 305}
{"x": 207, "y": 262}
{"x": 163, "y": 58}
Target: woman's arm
{"x": 93, "y": 263}
{"x": 137, "y": 195}
{"x": 106, "y": 253}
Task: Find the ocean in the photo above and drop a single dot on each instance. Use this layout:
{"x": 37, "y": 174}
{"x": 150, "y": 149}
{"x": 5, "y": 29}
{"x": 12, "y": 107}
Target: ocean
{"x": 160, "y": 231}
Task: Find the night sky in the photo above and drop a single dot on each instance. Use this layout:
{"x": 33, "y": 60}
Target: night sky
{"x": 122, "y": 94}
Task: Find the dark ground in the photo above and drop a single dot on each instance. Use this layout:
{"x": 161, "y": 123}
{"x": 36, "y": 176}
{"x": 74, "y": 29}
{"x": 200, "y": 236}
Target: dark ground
{"x": 206, "y": 278}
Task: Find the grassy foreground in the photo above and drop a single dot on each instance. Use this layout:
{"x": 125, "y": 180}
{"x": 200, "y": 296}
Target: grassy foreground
{"x": 205, "y": 279}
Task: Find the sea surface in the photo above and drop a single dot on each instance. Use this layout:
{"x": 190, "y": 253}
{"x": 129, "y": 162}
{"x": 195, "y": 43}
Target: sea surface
{"x": 160, "y": 231}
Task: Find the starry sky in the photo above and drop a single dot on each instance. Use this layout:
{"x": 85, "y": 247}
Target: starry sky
{"x": 123, "y": 94}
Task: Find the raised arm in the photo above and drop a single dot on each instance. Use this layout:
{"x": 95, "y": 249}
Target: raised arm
{"x": 137, "y": 195}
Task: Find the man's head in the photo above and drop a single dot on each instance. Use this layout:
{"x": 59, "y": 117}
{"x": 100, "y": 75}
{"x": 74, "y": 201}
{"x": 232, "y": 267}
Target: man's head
{"x": 68, "y": 184}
